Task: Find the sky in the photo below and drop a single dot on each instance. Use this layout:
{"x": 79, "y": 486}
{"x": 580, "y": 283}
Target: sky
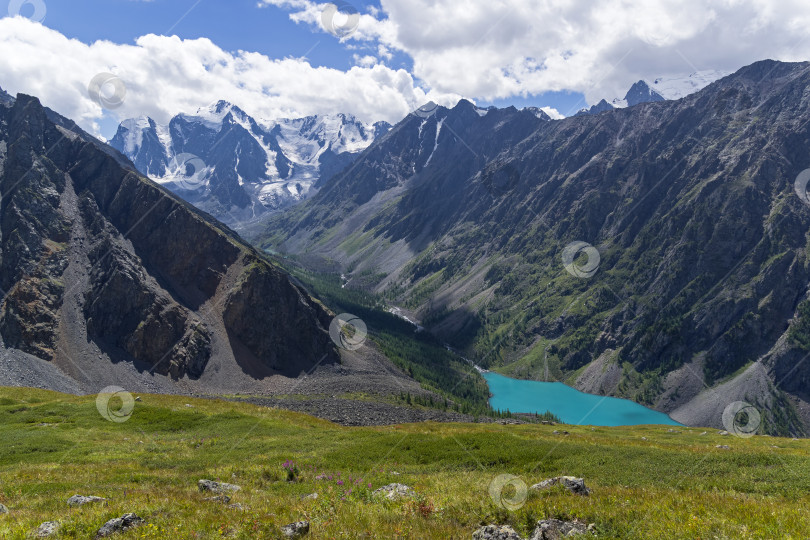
{"x": 377, "y": 60}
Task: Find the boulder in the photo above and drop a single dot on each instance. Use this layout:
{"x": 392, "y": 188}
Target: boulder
{"x": 295, "y": 530}
{"x": 123, "y": 523}
{"x": 217, "y": 487}
{"x": 496, "y": 532}
{"x": 80, "y": 500}
{"x": 572, "y": 484}
{"x": 47, "y": 529}
{"x": 3, "y": 509}
{"x": 394, "y": 492}
{"x": 554, "y": 529}
{"x": 723, "y": 447}
{"x": 224, "y": 499}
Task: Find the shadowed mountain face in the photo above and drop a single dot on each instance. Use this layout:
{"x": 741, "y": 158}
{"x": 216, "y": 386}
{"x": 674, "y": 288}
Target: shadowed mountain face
{"x": 100, "y": 265}
{"x": 696, "y": 292}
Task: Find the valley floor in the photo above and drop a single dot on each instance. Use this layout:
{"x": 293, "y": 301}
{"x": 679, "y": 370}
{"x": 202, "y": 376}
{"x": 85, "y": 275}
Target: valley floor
{"x": 647, "y": 481}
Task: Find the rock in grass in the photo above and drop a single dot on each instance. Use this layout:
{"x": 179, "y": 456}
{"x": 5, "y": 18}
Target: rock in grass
{"x": 224, "y": 499}
{"x": 723, "y": 447}
{"x": 47, "y": 529}
{"x": 572, "y": 484}
{"x": 79, "y": 500}
{"x": 554, "y": 529}
{"x": 394, "y": 492}
{"x": 310, "y": 497}
{"x": 295, "y": 530}
{"x": 496, "y": 532}
{"x": 123, "y": 523}
{"x": 217, "y": 487}
{"x": 3, "y": 509}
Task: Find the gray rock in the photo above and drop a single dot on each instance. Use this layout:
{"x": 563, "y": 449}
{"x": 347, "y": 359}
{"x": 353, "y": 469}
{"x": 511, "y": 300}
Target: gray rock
{"x": 3, "y": 509}
{"x": 295, "y": 530}
{"x": 48, "y": 528}
{"x": 310, "y": 497}
{"x": 573, "y": 484}
{"x": 123, "y": 523}
{"x": 554, "y": 529}
{"x": 224, "y": 499}
{"x": 79, "y": 500}
{"x": 723, "y": 433}
{"x": 723, "y": 447}
{"x": 394, "y": 491}
{"x": 496, "y": 532}
{"x": 217, "y": 487}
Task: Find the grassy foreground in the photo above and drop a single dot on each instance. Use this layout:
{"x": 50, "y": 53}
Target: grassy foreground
{"x": 672, "y": 485}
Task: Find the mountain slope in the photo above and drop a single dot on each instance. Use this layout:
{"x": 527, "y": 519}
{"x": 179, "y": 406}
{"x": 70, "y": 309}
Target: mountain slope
{"x": 228, "y": 164}
{"x": 698, "y": 299}
{"x": 114, "y": 281}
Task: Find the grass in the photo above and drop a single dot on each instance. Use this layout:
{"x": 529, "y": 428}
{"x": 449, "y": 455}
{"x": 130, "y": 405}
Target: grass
{"x": 672, "y": 485}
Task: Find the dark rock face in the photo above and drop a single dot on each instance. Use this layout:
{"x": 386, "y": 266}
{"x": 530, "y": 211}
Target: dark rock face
{"x": 277, "y": 340}
{"x": 690, "y": 205}
{"x": 79, "y": 226}
{"x": 602, "y": 106}
{"x": 641, "y": 92}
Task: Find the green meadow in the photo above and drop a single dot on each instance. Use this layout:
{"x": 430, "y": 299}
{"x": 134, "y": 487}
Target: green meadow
{"x": 646, "y": 481}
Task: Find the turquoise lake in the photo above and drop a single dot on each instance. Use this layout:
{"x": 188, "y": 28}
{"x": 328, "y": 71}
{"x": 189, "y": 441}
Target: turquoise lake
{"x": 569, "y": 404}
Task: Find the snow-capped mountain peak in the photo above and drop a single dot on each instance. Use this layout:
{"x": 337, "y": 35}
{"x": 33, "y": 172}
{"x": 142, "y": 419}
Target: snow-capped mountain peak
{"x": 678, "y": 87}
{"x": 241, "y": 169}
{"x": 659, "y": 89}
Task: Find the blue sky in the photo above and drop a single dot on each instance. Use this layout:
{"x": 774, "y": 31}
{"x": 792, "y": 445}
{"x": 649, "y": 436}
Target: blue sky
{"x": 276, "y": 58}
{"x": 238, "y": 25}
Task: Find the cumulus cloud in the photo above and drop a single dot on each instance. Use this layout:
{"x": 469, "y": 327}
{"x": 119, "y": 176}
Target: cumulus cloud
{"x": 166, "y": 75}
{"x": 506, "y": 48}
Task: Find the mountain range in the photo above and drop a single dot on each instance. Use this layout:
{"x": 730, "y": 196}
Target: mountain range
{"x": 656, "y": 252}
{"x": 239, "y": 169}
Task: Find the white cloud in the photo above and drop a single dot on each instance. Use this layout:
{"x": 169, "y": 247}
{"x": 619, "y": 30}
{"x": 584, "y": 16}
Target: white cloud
{"x": 505, "y": 48}
{"x": 167, "y": 75}
{"x": 553, "y": 113}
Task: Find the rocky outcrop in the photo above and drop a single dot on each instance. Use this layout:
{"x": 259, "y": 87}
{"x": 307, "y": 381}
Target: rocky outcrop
{"x": 217, "y": 487}
{"x": 81, "y": 500}
{"x": 49, "y": 528}
{"x": 571, "y": 483}
{"x": 120, "y": 524}
{"x": 556, "y": 529}
{"x": 298, "y": 529}
{"x": 496, "y": 532}
{"x": 394, "y": 492}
